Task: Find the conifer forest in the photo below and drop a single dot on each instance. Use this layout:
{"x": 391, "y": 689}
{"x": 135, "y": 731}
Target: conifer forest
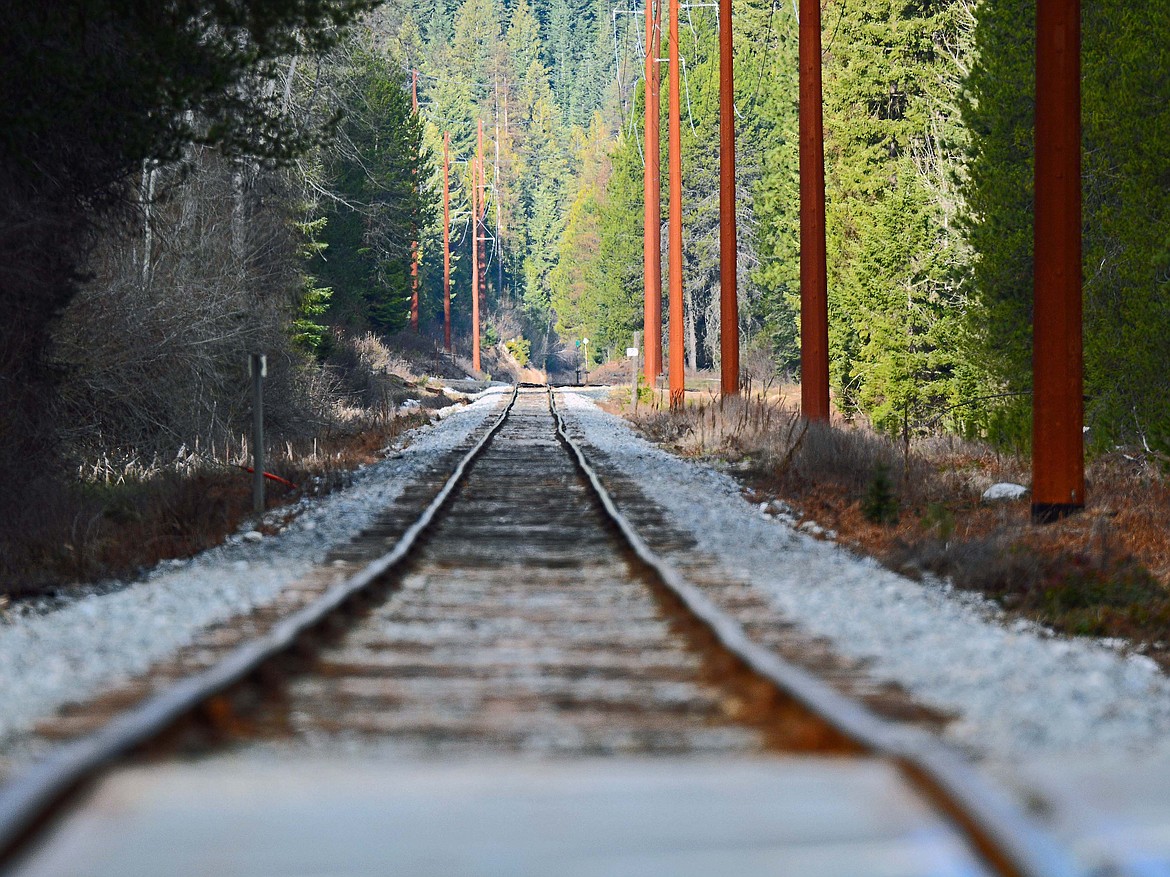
{"x": 171, "y": 201}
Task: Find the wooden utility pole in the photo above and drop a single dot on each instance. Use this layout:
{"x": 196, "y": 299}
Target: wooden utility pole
{"x": 498, "y": 200}
{"x": 474, "y": 267}
{"x": 652, "y": 191}
{"x": 481, "y": 220}
{"x": 447, "y": 241}
{"x": 728, "y": 257}
{"x": 814, "y": 297}
{"x": 1058, "y": 457}
{"x": 414, "y": 248}
{"x": 674, "y": 238}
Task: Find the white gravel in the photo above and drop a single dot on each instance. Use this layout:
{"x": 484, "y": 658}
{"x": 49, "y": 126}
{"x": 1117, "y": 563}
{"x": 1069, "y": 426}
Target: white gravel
{"x": 1019, "y": 690}
{"x": 91, "y": 644}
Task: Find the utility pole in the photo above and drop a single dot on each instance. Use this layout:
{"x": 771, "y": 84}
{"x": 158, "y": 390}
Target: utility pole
{"x": 814, "y": 296}
{"x": 728, "y": 256}
{"x": 499, "y": 200}
{"x": 414, "y": 248}
{"x": 481, "y": 220}
{"x": 652, "y": 191}
{"x": 447, "y": 241}
{"x": 1058, "y": 457}
{"x": 674, "y": 242}
{"x": 474, "y": 268}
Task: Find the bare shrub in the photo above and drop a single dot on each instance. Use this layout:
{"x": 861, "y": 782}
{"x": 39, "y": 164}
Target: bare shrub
{"x": 371, "y": 375}
{"x": 848, "y": 456}
{"x": 156, "y": 345}
{"x": 426, "y": 356}
{"x": 1105, "y": 572}
{"x": 768, "y": 437}
{"x": 758, "y": 369}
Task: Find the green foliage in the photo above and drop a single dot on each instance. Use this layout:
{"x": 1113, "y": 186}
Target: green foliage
{"x": 381, "y": 206}
{"x": 770, "y": 143}
{"x": 940, "y": 519}
{"x": 998, "y": 113}
{"x": 520, "y": 348}
{"x": 105, "y": 85}
{"x": 1089, "y": 596}
{"x": 1126, "y": 202}
{"x": 893, "y": 260}
{"x": 645, "y": 391}
{"x": 312, "y": 301}
{"x": 499, "y": 68}
{"x": 597, "y": 284}
{"x": 880, "y": 503}
{"x": 306, "y": 331}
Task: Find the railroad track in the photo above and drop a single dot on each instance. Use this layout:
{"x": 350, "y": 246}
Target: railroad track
{"x": 519, "y": 611}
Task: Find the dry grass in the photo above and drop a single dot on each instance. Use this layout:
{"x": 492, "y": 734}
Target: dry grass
{"x": 123, "y": 511}
{"x": 126, "y": 514}
{"x": 1103, "y": 573}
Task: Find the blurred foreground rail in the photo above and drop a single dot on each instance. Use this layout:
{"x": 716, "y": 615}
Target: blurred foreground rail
{"x": 520, "y": 612}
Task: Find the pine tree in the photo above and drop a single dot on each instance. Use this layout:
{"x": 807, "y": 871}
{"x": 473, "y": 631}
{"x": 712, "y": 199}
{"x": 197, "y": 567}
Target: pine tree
{"x": 887, "y": 241}
{"x": 1125, "y": 206}
{"x": 381, "y": 206}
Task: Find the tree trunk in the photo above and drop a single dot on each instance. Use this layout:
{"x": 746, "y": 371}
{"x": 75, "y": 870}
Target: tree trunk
{"x": 689, "y": 328}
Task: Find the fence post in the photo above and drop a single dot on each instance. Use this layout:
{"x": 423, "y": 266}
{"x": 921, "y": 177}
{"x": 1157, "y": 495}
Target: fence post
{"x": 258, "y": 369}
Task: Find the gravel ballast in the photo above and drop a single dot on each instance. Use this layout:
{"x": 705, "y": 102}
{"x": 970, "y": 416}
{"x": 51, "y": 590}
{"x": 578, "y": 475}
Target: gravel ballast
{"x": 120, "y": 629}
{"x": 1017, "y": 689}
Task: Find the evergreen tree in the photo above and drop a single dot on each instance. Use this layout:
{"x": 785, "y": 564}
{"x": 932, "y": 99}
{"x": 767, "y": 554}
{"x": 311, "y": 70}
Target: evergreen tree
{"x": 439, "y": 25}
{"x": 1125, "y": 204}
{"x": 768, "y": 148}
{"x": 888, "y": 270}
{"x": 379, "y": 173}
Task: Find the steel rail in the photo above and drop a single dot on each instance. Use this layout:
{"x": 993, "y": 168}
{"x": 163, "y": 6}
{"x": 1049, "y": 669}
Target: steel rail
{"x": 996, "y": 826}
{"x": 32, "y": 796}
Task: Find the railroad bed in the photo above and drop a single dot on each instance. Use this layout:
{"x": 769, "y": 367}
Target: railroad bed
{"x": 522, "y": 614}
{"x": 522, "y": 625}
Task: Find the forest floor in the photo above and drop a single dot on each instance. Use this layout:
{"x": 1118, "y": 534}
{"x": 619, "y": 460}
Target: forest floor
{"x": 919, "y": 510}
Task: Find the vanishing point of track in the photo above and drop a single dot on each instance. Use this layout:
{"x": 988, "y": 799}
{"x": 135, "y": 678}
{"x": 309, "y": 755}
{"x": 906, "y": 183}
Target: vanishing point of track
{"x": 528, "y": 615}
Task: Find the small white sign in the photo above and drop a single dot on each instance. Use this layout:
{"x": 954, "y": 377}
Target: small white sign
{"x": 631, "y": 352}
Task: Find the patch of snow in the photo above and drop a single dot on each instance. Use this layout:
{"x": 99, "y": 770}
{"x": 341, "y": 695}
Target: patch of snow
{"x": 1005, "y": 490}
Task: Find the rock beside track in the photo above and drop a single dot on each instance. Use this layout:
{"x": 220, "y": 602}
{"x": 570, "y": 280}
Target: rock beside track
{"x": 1018, "y": 689}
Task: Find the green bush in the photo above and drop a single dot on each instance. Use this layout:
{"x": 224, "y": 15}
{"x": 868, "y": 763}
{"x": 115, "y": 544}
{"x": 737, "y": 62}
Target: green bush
{"x": 880, "y": 503}
{"x": 520, "y": 348}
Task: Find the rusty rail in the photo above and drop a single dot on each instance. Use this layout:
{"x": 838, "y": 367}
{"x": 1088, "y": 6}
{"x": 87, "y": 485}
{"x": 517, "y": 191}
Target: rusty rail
{"x": 31, "y": 797}
{"x": 1002, "y": 833}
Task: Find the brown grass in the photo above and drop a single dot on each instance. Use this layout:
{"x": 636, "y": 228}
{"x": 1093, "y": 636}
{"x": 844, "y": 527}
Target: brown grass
{"x": 123, "y": 511}
{"x": 1104, "y": 573}
{"x": 122, "y": 518}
